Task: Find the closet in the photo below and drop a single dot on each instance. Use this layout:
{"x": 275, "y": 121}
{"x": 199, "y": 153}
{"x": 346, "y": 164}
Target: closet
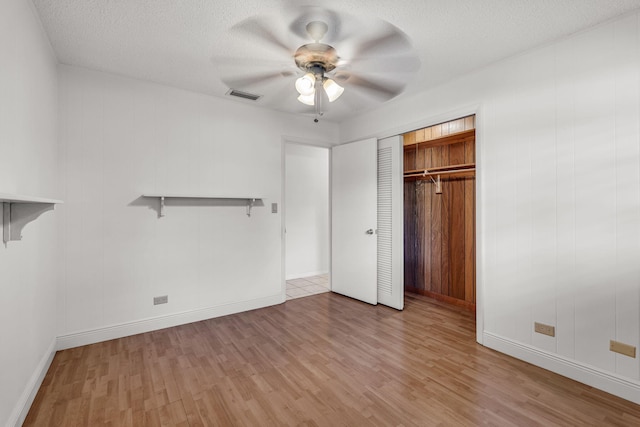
{"x": 439, "y": 212}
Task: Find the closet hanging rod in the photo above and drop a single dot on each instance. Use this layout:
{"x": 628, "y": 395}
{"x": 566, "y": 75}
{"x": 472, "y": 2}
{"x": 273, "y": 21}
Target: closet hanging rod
{"x": 462, "y": 166}
{"x": 424, "y": 174}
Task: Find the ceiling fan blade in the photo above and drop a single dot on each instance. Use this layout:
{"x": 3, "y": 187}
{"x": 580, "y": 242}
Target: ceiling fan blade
{"x": 251, "y": 62}
{"x": 390, "y": 40}
{"x": 380, "y": 90}
{"x": 255, "y": 28}
{"x": 384, "y": 64}
{"x": 242, "y": 82}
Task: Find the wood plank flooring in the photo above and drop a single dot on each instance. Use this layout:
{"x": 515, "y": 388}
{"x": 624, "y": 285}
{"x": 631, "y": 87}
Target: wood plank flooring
{"x": 324, "y": 360}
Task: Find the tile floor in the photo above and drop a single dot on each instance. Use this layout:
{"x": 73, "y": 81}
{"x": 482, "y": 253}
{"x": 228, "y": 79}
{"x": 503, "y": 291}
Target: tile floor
{"x": 305, "y": 286}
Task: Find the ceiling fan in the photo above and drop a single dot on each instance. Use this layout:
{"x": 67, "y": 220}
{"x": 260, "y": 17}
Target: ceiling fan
{"x": 375, "y": 62}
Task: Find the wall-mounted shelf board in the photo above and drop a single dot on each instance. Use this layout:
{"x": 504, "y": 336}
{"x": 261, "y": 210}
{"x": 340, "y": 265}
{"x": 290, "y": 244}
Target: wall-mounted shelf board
{"x": 18, "y": 198}
{"x": 250, "y": 199}
{"x": 18, "y": 210}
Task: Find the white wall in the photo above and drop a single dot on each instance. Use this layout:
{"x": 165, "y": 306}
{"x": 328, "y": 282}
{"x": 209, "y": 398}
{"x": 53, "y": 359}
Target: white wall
{"x": 558, "y": 198}
{"x": 307, "y": 210}
{"x": 28, "y": 151}
{"x": 122, "y": 138}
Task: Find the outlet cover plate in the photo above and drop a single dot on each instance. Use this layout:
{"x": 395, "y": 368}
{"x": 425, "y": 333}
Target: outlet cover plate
{"x": 541, "y": 328}
{"x": 622, "y": 348}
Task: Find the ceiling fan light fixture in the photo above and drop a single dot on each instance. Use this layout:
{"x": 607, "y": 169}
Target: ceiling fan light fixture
{"x": 308, "y": 99}
{"x": 305, "y": 85}
{"x": 333, "y": 89}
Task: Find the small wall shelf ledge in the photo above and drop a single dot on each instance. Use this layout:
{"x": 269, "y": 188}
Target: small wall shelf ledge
{"x": 250, "y": 200}
{"x": 19, "y": 210}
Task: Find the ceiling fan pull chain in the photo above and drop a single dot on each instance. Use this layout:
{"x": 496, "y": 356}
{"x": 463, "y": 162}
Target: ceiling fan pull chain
{"x": 318, "y": 99}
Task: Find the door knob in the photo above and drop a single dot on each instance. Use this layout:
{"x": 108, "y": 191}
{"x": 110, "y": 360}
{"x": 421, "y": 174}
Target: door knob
{"x": 369, "y": 231}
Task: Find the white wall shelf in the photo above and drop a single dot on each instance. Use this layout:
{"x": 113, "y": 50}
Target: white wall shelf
{"x": 19, "y": 210}
{"x": 250, "y": 200}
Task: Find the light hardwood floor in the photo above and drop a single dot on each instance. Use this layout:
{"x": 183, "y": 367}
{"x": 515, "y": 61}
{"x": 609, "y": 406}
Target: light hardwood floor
{"x": 323, "y": 360}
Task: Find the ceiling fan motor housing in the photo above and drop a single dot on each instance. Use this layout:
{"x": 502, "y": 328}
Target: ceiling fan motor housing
{"x": 310, "y": 56}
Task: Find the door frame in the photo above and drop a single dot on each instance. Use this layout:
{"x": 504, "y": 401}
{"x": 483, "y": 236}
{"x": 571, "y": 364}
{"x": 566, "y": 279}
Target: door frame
{"x": 283, "y": 208}
{"x": 481, "y": 179}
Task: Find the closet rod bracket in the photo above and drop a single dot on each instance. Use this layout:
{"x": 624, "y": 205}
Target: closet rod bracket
{"x": 438, "y": 184}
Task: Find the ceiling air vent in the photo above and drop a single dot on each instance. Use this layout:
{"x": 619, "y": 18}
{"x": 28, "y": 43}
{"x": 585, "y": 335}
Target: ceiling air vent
{"x": 244, "y": 95}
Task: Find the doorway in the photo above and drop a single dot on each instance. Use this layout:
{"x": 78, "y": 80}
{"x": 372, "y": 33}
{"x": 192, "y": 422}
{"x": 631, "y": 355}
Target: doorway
{"x": 440, "y": 212}
{"x": 306, "y": 220}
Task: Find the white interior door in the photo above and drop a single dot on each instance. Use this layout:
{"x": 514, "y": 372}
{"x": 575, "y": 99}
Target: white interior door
{"x": 353, "y": 220}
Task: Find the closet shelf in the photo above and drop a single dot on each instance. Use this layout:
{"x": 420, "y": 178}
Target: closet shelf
{"x": 465, "y": 170}
{"x": 162, "y": 196}
{"x": 19, "y": 210}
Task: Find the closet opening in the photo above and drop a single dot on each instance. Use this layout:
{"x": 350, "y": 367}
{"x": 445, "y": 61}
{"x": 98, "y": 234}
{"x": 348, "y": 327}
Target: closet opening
{"x": 440, "y": 212}
{"x": 306, "y": 220}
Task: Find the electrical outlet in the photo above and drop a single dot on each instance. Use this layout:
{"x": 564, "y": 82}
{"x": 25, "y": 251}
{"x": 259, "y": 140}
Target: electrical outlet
{"x": 622, "y": 348}
{"x": 541, "y": 328}
{"x": 161, "y": 300}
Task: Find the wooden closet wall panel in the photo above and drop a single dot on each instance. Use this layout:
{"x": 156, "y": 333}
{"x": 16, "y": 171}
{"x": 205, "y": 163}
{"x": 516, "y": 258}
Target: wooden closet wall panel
{"x": 409, "y": 242}
{"x": 457, "y": 240}
{"x": 470, "y": 229}
{"x": 423, "y": 158}
{"x": 409, "y": 159}
{"x": 456, "y": 213}
{"x": 421, "y": 251}
{"x": 427, "y": 258}
{"x": 413, "y": 271}
{"x": 434, "y": 244}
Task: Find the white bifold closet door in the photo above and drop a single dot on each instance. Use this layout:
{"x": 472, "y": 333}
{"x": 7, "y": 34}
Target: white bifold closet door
{"x": 366, "y": 221}
{"x": 390, "y": 222}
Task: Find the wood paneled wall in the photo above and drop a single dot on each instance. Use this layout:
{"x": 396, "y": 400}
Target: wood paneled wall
{"x": 440, "y": 228}
{"x": 435, "y": 132}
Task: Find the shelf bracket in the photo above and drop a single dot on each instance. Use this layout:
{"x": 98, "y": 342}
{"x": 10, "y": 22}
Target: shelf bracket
{"x": 161, "y": 212}
{"x": 250, "y": 203}
{"x": 16, "y": 215}
{"x": 6, "y": 222}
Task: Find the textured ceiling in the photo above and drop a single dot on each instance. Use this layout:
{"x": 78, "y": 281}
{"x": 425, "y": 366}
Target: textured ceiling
{"x": 196, "y": 44}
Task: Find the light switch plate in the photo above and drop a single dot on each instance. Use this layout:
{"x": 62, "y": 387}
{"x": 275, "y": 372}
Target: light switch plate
{"x": 274, "y": 208}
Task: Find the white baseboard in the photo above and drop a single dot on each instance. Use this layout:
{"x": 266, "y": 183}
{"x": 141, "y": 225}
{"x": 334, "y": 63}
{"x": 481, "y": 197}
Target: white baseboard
{"x": 21, "y": 409}
{"x": 303, "y": 275}
{"x": 611, "y": 383}
{"x": 161, "y": 322}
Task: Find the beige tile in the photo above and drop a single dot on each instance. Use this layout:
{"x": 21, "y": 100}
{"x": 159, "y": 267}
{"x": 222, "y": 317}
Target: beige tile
{"x": 299, "y": 282}
{"x": 291, "y": 286}
{"x": 306, "y": 286}
{"x": 318, "y": 280}
{"x": 314, "y": 289}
